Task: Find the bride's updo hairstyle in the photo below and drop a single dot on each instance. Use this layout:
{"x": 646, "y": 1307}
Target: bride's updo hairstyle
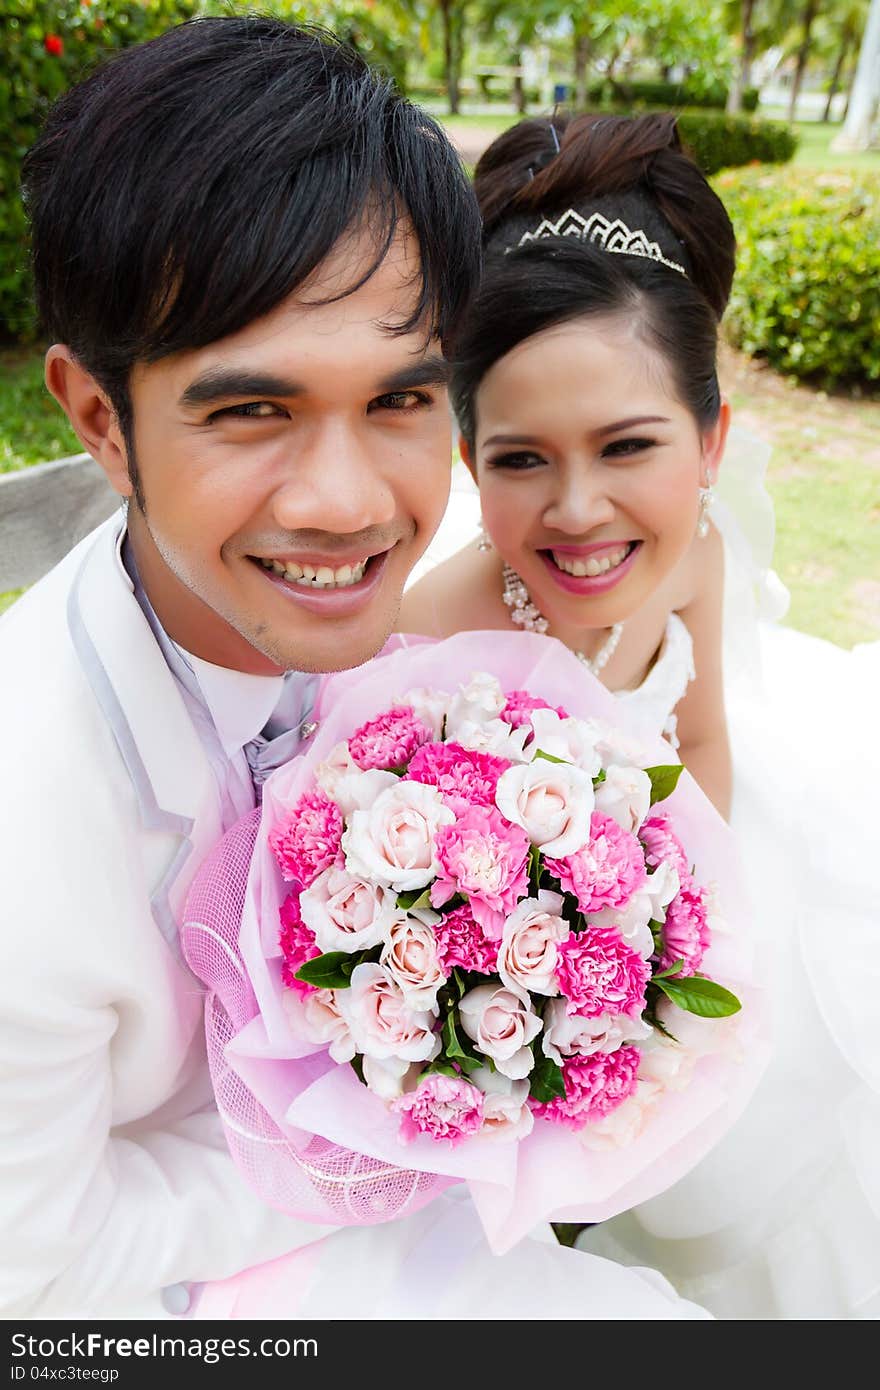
{"x": 560, "y": 181}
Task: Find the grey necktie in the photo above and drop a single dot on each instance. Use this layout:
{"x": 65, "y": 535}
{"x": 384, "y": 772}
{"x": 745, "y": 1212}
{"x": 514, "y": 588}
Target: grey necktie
{"x": 288, "y": 727}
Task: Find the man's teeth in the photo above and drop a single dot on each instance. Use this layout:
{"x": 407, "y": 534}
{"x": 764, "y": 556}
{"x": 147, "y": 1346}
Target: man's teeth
{"x": 318, "y": 577}
{"x": 589, "y": 569}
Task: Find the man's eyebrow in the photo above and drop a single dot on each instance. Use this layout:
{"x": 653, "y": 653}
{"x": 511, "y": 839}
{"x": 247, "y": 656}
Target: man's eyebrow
{"x": 432, "y": 370}
{"x": 224, "y": 383}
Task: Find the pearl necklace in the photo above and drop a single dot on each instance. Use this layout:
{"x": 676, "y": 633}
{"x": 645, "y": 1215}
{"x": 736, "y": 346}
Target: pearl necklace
{"x": 525, "y": 615}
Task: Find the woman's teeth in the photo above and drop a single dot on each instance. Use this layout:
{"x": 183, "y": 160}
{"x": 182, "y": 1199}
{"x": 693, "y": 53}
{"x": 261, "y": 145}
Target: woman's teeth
{"x": 320, "y": 577}
{"x": 589, "y": 569}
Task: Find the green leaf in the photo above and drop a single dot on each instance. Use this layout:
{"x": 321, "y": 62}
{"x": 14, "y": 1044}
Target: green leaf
{"x": 700, "y": 996}
{"x": 535, "y": 868}
{"x": 548, "y": 757}
{"x": 416, "y": 897}
{"x": 672, "y": 969}
{"x": 357, "y": 1066}
{"x": 664, "y": 780}
{"x": 442, "y": 1066}
{"x": 546, "y": 1081}
{"x": 457, "y": 1049}
{"x": 331, "y": 971}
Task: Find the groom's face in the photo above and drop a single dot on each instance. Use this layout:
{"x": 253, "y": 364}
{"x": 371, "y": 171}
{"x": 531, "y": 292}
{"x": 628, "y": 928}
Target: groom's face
{"x": 292, "y": 473}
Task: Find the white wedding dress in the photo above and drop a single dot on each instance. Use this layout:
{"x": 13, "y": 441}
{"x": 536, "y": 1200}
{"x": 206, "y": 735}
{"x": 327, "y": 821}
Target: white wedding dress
{"x": 782, "y": 1219}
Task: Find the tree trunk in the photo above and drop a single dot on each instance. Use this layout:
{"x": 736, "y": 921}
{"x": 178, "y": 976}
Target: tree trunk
{"x": 519, "y": 88}
{"x": 743, "y": 75}
{"x": 581, "y": 62}
{"x": 842, "y": 55}
{"x": 451, "y": 54}
{"x": 865, "y": 90}
{"x": 802, "y": 57}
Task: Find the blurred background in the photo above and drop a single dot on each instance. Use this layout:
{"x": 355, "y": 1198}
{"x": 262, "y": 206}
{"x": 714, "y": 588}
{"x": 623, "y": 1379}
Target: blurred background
{"x": 777, "y": 101}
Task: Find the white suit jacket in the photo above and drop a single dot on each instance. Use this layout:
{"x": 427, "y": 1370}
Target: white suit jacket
{"x": 114, "y": 1177}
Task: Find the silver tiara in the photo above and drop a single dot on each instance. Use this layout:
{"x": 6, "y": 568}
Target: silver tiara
{"x": 614, "y": 236}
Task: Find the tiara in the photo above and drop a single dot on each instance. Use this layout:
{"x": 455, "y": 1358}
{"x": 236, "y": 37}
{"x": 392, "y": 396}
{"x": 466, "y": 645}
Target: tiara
{"x": 614, "y": 236}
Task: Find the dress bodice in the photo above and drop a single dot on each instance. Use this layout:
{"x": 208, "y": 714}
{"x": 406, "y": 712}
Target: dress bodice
{"x": 653, "y": 702}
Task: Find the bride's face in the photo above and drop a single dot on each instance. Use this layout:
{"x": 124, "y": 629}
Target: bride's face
{"x": 589, "y": 469}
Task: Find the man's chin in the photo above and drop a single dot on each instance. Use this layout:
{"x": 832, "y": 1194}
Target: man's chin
{"x": 317, "y": 658}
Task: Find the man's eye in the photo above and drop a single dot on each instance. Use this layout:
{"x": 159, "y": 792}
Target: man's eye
{"x": 401, "y": 401}
{"x": 516, "y": 463}
{"x": 621, "y": 448}
{"x": 250, "y": 410}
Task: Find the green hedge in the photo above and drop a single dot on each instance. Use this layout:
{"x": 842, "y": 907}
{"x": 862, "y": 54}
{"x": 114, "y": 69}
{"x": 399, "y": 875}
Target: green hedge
{"x": 807, "y": 290}
{"x": 45, "y": 46}
{"x": 725, "y": 142}
{"x": 659, "y": 93}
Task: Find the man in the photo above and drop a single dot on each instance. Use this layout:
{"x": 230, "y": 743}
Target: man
{"x": 249, "y": 252}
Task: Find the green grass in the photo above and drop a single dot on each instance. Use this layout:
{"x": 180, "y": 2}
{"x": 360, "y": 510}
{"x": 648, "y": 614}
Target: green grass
{"x": 814, "y": 148}
{"x": 32, "y": 426}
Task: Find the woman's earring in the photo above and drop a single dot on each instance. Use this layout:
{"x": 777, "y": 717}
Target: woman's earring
{"x": 484, "y": 543}
{"x": 707, "y": 497}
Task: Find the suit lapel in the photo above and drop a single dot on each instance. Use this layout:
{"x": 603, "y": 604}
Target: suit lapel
{"x": 142, "y": 704}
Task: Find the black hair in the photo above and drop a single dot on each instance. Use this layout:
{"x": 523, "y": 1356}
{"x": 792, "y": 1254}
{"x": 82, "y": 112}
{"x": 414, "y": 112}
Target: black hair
{"x": 631, "y": 169}
{"x": 193, "y": 182}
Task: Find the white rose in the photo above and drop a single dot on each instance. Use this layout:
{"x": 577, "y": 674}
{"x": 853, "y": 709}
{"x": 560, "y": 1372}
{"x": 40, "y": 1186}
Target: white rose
{"x": 316, "y": 1017}
{"x": 389, "y": 1077}
{"x": 527, "y": 956}
{"x": 573, "y": 740}
{"x": 571, "y": 1035}
{"x": 506, "y": 1115}
{"x": 392, "y": 841}
{"x": 624, "y": 1124}
{"x": 625, "y": 796}
{"x": 348, "y": 785}
{"x": 614, "y": 746}
{"x": 410, "y": 957}
{"x": 346, "y": 913}
{"x": 666, "y": 1063}
{"x": 479, "y": 702}
{"x": 496, "y": 736}
{"x": 501, "y": 1023}
{"x": 552, "y": 802}
{"x": 381, "y": 1023}
{"x": 430, "y": 706}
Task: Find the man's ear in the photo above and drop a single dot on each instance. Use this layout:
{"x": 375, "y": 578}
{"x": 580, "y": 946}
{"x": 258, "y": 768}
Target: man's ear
{"x": 467, "y": 457}
{"x": 89, "y": 411}
{"x": 714, "y": 442}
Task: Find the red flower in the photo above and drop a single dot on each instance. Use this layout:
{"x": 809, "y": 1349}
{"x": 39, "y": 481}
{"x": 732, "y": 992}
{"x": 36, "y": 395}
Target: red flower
{"x": 53, "y": 45}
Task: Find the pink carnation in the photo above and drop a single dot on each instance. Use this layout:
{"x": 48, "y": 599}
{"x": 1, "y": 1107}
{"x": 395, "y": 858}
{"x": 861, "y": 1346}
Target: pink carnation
{"x": 445, "y": 1107}
{"x": 607, "y": 871}
{"x": 520, "y": 705}
{"x": 484, "y": 858}
{"x": 663, "y": 845}
{"x": 462, "y": 942}
{"x": 308, "y": 840}
{"x": 686, "y": 932}
{"x": 594, "y": 1086}
{"x": 598, "y": 973}
{"x": 464, "y": 777}
{"x": 297, "y": 942}
{"x": 389, "y": 740}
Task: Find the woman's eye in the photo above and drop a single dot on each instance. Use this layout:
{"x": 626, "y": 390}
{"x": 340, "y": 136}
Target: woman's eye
{"x": 622, "y": 447}
{"x": 250, "y": 410}
{"x": 401, "y": 401}
{"x": 516, "y": 463}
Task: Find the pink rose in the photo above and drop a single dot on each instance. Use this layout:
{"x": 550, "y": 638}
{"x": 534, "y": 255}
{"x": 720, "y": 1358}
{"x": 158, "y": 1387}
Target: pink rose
{"x": 551, "y": 801}
{"x": 506, "y": 1113}
{"x": 307, "y": 841}
{"x": 317, "y": 1018}
{"x": 594, "y": 1086}
{"x": 444, "y": 1107}
{"x": 381, "y": 1023}
{"x": 389, "y": 740}
{"x": 599, "y": 974}
{"x": 528, "y": 953}
{"x": 485, "y": 860}
{"x": 389, "y": 1077}
{"x": 501, "y": 1023}
{"x": 392, "y": 842}
{"x": 574, "y": 1035}
{"x": 411, "y": 959}
{"x": 606, "y": 872}
{"x": 346, "y": 913}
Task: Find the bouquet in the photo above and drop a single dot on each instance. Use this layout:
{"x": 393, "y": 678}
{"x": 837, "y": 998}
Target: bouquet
{"x": 483, "y": 940}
